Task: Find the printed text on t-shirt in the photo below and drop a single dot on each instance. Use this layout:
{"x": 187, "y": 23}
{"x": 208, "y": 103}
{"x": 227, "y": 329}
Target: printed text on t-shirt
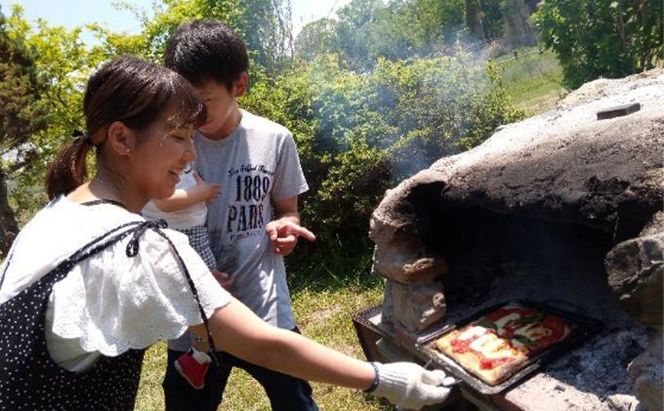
{"x": 252, "y": 185}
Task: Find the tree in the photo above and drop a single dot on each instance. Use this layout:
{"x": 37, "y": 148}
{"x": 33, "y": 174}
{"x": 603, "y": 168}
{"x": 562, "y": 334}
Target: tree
{"x": 493, "y": 19}
{"x": 354, "y": 30}
{"x": 265, "y": 25}
{"x": 316, "y": 38}
{"x": 439, "y": 20}
{"x": 61, "y": 65}
{"x": 602, "y": 38}
{"x": 474, "y": 17}
{"x": 516, "y": 14}
{"x": 368, "y": 130}
{"x": 19, "y": 119}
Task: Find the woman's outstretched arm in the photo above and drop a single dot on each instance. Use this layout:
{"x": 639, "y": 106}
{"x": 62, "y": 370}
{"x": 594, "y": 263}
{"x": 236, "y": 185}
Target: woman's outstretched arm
{"x": 237, "y": 330}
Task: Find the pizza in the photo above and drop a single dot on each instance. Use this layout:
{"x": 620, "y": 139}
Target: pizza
{"x": 501, "y": 342}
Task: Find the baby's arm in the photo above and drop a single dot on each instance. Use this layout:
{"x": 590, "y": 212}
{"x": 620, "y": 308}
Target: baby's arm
{"x": 201, "y": 192}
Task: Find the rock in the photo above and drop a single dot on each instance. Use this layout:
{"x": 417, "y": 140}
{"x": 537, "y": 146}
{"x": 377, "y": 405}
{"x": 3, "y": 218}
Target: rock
{"x": 636, "y": 273}
{"x": 387, "y": 309}
{"x": 402, "y": 255}
{"x": 656, "y": 225}
{"x": 404, "y": 260}
{"x": 647, "y": 375}
{"x": 417, "y": 306}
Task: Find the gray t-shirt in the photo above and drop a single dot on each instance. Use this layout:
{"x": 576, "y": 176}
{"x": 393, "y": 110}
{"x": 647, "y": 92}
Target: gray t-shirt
{"x": 255, "y": 165}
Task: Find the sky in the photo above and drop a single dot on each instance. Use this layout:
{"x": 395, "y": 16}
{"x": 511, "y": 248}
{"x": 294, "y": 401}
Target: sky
{"x": 72, "y": 13}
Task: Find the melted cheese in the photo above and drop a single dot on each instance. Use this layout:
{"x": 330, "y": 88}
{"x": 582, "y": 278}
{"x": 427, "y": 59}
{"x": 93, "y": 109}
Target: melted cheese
{"x": 497, "y": 349}
{"x": 474, "y": 331}
{"x": 478, "y": 344}
{"x": 533, "y": 331}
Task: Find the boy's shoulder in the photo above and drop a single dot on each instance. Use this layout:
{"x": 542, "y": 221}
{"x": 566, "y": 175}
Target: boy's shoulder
{"x": 254, "y": 122}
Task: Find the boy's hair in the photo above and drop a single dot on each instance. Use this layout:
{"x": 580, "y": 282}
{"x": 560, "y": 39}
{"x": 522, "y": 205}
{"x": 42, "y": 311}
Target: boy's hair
{"x": 204, "y": 50}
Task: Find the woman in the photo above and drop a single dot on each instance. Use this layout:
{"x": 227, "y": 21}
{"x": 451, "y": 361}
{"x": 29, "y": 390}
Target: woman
{"x": 89, "y": 284}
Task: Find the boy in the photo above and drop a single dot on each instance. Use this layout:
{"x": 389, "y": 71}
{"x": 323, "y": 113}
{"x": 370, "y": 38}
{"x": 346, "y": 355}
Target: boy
{"x": 254, "y": 222}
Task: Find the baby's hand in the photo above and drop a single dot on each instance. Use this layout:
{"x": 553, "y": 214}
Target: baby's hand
{"x": 208, "y": 191}
{"x": 224, "y": 279}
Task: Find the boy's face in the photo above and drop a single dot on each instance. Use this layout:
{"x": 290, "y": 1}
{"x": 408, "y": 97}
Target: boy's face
{"x": 221, "y": 108}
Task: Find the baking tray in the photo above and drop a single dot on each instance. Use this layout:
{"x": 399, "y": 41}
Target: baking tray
{"x": 582, "y": 328}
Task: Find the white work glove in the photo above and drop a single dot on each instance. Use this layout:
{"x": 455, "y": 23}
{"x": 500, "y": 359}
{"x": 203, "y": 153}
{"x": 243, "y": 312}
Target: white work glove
{"x": 410, "y": 386}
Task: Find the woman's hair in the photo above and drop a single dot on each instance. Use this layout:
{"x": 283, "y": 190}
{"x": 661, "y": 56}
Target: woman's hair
{"x": 134, "y": 92}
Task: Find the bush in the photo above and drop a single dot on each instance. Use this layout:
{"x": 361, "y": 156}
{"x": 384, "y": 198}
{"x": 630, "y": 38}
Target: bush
{"x": 359, "y": 134}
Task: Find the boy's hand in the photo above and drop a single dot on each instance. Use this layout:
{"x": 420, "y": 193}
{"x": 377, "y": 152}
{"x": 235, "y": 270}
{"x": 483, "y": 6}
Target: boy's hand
{"x": 208, "y": 191}
{"x": 223, "y": 279}
{"x": 283, "y": 234}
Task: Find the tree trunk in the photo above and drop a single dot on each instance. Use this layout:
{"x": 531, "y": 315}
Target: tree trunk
{"x": 474, "y": 19}
{"x": 518, "y": 28}
{"x": 532, "y": 5}
{"x": 8, "y": 226}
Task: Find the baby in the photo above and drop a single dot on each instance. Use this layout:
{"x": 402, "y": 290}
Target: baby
{"x": 186, "y": 211}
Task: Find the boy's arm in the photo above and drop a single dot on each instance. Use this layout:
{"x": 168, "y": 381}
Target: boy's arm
{"x": 285, "y": 229}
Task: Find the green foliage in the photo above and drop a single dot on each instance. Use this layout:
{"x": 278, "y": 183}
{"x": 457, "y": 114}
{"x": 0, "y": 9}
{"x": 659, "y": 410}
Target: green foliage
{"x": 20, "y": 117}
{"x": 62, "y": 65}
{"x": 602, "y": 38}
{"x": 354, "y": 186}
{"x": 316, "y": 38}
{"x": 493, "y": 15}
{"x": 438, "y": 20}
{"x": 370, "y": 30}
{"x": 358, "y": 134}
{"x": 19, "y": 89}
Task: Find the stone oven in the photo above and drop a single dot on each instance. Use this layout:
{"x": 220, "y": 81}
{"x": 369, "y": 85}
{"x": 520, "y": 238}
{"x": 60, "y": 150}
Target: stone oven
{"x": 563, "y": 208}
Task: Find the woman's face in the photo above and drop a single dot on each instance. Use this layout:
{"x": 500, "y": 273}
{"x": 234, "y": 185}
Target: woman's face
{"x": 161, "y": 154}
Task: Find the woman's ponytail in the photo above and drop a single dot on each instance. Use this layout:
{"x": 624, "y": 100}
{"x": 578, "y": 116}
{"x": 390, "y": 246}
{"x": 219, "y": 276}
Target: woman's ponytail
{"x": 69, "y": 170}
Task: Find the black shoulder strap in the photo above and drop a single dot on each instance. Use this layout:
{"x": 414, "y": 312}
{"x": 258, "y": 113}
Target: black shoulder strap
{"x": 113, "y": 236}
{"x": 9, "y": 260}
{"x": 83, "y": 252}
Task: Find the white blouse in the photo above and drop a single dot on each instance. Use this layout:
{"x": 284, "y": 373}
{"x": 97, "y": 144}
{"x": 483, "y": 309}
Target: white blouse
{"x": 108, "y": 303}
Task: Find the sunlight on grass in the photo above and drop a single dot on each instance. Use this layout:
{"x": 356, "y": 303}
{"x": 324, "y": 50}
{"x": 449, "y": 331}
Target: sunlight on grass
{"x": 324, "y": 316}
{"x": 532, "y": 79}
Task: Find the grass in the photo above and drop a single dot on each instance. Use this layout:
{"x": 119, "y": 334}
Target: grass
{"x": 323, "y": 313}
{"x": 532, "y": 79}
